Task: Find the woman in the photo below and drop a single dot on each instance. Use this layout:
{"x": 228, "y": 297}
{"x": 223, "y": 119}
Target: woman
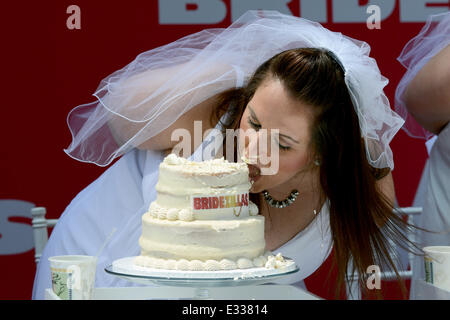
{"x": 322, "y": 92}
{"x": 423, "y": 100}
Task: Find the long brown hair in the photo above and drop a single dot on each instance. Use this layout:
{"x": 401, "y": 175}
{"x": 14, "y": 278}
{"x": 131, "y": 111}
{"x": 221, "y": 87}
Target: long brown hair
{"x": 362, "y": 220}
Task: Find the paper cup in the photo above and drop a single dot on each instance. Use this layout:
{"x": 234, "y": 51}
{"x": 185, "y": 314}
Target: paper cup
{"x": 437, "y": 266}
{"x": 73, "y": 276}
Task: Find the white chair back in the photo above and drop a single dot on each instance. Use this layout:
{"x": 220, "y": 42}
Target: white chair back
{"x": 40, "y": 230}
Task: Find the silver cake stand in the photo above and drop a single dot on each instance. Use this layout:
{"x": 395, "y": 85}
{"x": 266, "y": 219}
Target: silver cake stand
{"x": 200, "y": 280}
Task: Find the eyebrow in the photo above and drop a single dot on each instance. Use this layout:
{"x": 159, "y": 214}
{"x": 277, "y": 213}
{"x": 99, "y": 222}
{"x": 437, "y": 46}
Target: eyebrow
{"x": 280, "y": 134}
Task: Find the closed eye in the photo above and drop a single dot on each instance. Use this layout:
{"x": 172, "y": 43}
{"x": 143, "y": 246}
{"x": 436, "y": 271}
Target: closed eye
{"x": 253, "y": 124}
{"x": 284, "y": 148}
{"x": 257, "y": 126}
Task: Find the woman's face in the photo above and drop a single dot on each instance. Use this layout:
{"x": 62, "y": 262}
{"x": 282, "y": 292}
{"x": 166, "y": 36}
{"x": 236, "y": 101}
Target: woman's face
{"x": 272, "y": 107}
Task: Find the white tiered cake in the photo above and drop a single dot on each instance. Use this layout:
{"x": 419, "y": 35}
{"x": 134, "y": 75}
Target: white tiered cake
{"x": 202, "y": 218}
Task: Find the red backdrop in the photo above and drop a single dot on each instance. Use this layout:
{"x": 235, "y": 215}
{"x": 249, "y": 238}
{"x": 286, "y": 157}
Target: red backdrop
{"x": 50, "y": 69}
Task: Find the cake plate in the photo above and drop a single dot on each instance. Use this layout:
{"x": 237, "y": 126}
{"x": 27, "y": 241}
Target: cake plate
{"x": 200, "y": 280}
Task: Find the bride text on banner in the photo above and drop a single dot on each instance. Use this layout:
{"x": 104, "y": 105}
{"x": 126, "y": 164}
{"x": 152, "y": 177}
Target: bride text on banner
{"x": 343, "y": 11}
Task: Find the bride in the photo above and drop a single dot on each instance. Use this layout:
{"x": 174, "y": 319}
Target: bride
{"x": 267, "y": 72}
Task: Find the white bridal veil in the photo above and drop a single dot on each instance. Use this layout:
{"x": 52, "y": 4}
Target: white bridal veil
{"x": 150, "y": 93}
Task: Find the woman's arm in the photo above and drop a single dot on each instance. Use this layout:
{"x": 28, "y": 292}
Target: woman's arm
{"x": 427, "y": 96}
{"x": 139, "y": 89}
{"x": 201, "y": 112}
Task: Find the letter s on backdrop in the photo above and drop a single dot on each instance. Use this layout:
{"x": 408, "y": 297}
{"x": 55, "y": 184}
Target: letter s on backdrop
{"x": 15, "y": 237}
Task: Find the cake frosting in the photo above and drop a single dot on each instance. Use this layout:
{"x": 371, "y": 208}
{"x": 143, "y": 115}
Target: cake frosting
{"x": 202, "y": 218}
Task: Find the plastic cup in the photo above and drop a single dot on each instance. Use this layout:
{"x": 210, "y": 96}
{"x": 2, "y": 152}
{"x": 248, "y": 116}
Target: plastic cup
{"x": 437, "y": 266}
{"x": 73, "y": 276}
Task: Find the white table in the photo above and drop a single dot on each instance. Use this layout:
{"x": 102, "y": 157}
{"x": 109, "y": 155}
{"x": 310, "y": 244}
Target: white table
{"x": 260, "y": 292}
{"x": 427, "y": 291}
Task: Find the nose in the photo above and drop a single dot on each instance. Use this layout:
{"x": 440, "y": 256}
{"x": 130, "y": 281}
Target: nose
{"x": 254, "y": 147}
{"x": 251, "y": 148}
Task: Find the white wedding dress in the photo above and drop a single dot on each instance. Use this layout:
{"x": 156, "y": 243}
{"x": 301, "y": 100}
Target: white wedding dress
{"x": 118, "y": 199}
{"x": 436, "y": 204}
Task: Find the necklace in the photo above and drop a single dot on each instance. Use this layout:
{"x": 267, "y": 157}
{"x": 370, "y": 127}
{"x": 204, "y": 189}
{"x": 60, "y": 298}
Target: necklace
{"x": 280, "y": 203}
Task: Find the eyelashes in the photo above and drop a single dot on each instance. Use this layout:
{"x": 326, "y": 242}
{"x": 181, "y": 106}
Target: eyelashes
{"x": 253, "y": 125}
{"x": 258, "y": 126}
